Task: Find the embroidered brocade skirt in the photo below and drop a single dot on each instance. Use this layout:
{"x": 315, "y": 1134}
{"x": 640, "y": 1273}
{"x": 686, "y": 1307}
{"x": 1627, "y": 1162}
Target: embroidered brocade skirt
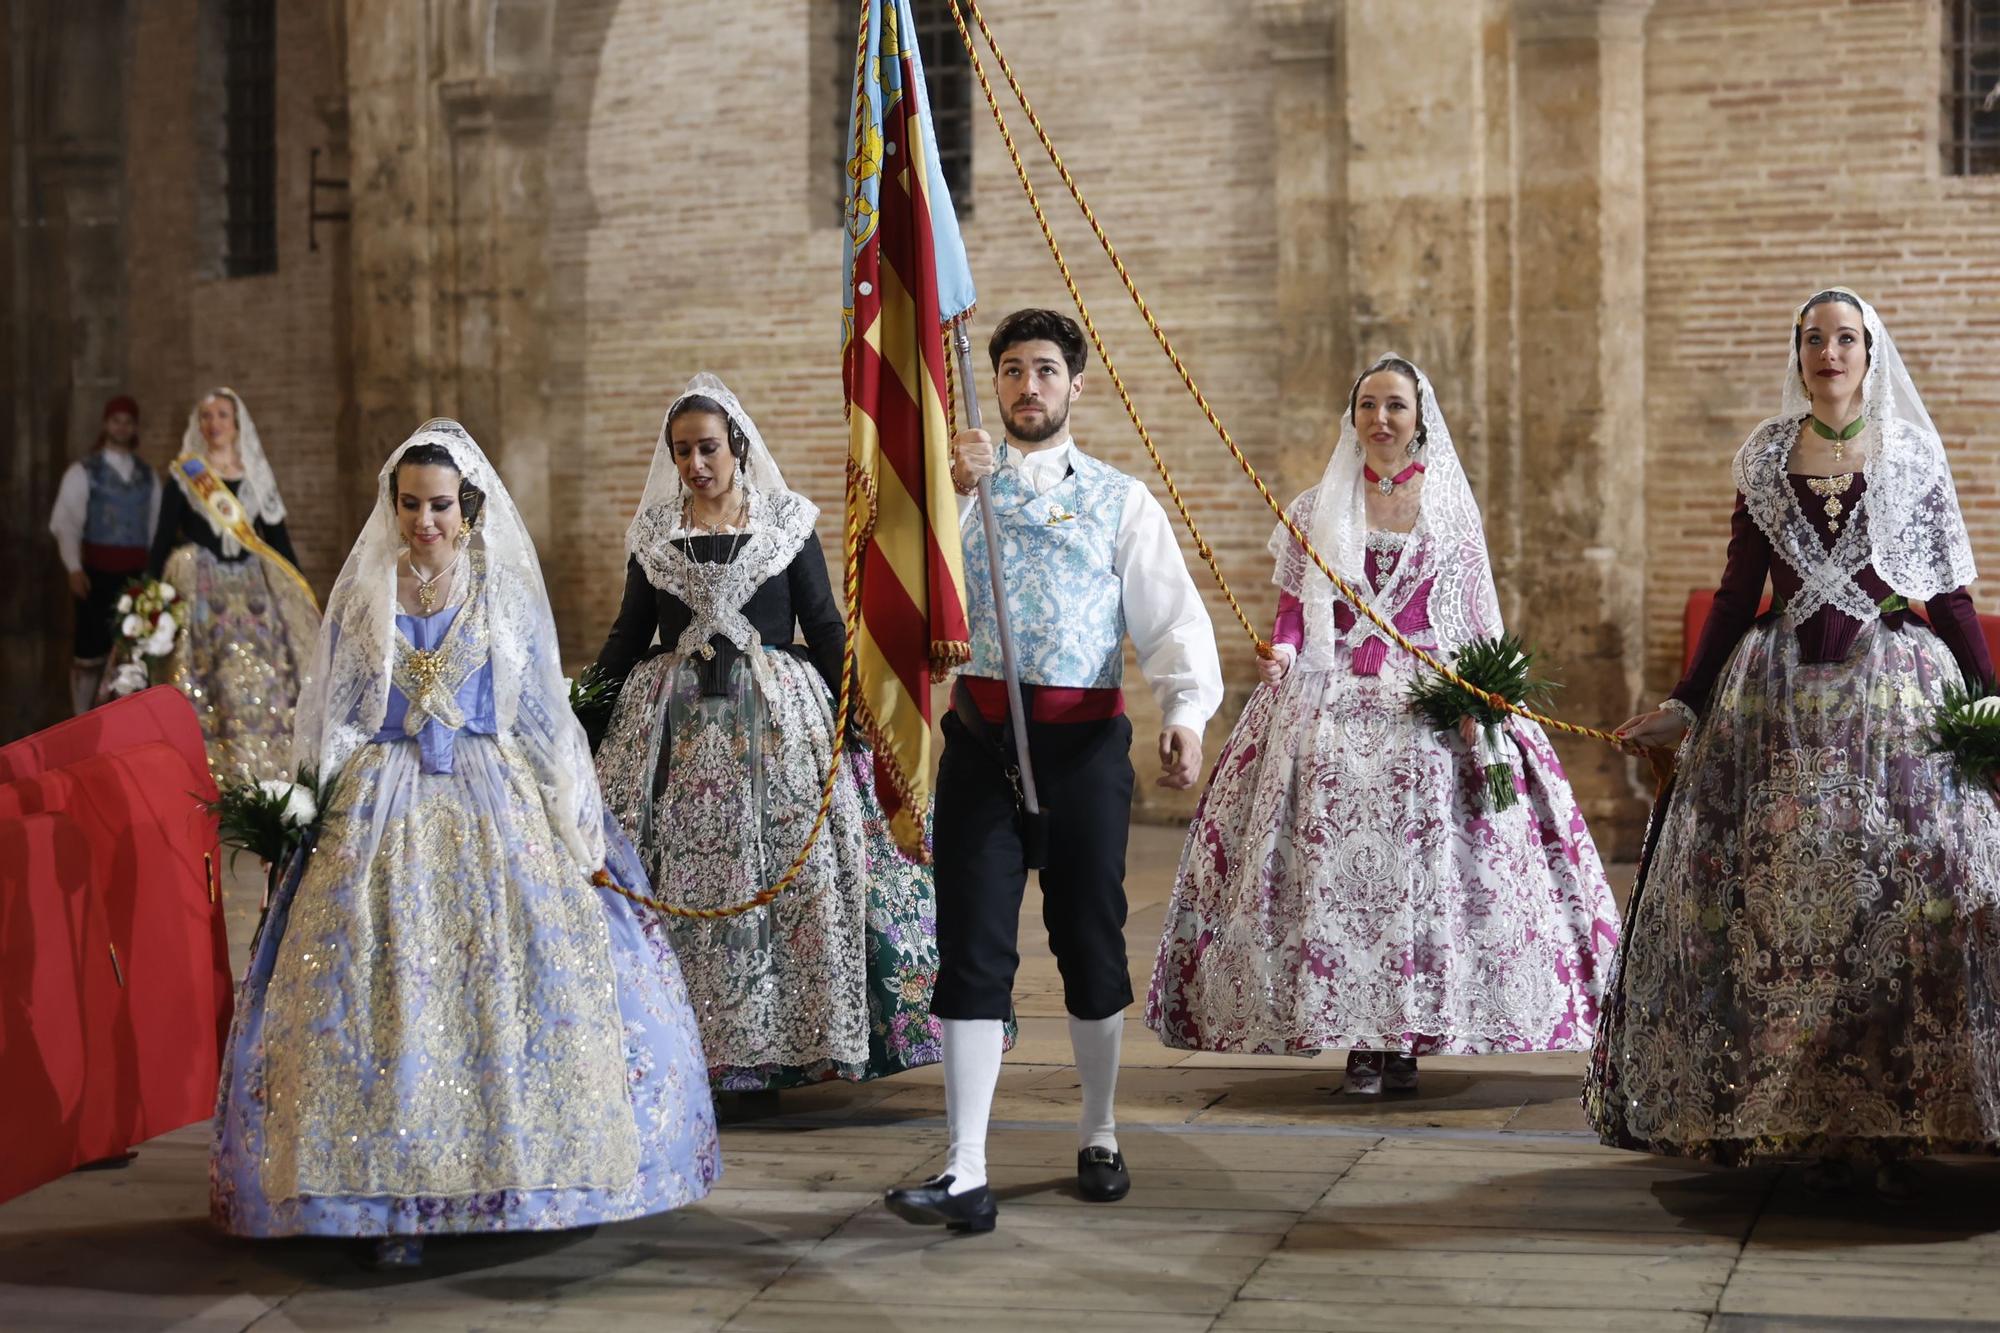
{"x": 446, "y": 1028}
{"x": 242, "y": 658}
{"x": 1343, "y": 886}
{"x": 1810, "y": 956}
{"x": 834, "y": 979}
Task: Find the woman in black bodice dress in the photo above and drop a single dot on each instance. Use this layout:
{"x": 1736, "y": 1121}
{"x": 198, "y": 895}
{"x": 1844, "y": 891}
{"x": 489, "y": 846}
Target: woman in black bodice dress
{"x": 714, "y": 758}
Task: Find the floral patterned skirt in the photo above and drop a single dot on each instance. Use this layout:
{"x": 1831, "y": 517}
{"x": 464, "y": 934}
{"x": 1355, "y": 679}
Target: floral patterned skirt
{"x": 1810, "y": 953}
{"x": 1342, "y": 886}
{"x": 242, "y": 657}
{"x": 445, "y": 1028}
{"x": 833, "y": 980}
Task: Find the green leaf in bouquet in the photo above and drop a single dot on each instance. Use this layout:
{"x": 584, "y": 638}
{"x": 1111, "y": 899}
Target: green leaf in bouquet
{"x": 1967, "y": 729}
{"x": 1501, "y": 666}
{"x": 592, "y": 693}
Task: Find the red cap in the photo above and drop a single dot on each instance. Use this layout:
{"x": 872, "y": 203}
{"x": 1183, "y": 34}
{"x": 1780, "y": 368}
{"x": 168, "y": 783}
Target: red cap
{"x": 122, "y": 403}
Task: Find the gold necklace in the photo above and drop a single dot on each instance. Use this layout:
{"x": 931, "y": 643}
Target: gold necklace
{"x": 427, "y": 588}
{"x": 1829, "y": 490}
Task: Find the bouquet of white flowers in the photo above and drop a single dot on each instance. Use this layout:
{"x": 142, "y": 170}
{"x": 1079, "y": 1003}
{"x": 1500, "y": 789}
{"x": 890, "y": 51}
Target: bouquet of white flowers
{"x": 148, "y": 625}
{"x": 269, "y": 819}
{"x": 1966, "y": 727}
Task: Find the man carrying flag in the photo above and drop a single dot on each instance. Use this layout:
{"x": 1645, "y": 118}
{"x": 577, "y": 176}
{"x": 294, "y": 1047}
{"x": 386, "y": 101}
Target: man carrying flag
{"x": 1089, "y": 559}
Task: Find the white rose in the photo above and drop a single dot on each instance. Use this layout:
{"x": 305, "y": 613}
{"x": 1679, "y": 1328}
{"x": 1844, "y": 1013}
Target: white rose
{"x": 299, "y": 808}
{"x": 1986, "y": 708}
{"x": 132, "y": 627}
{"x": 167, "y": 593}
{"x": 166, "y": 623}
{"x": 129, "y": 678}
{"x": 125, "y": 604}
{"x": 160, "y": 643}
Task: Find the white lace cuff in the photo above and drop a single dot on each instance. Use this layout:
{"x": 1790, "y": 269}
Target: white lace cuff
{"x": 1681, "y": 710}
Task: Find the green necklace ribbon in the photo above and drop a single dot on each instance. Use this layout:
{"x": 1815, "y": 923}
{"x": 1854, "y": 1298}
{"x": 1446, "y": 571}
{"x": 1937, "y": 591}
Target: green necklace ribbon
{"x": 1826, "y": 432}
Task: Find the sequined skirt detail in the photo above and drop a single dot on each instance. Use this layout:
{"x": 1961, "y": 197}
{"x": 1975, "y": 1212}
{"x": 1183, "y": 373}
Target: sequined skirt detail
{"x": 1342, "y": 886}
{"x": 242, "y": 658}
{"x": 834, "y": 979}
{"x": 1810, "y": 951}
{"x": 445, "y": 1027}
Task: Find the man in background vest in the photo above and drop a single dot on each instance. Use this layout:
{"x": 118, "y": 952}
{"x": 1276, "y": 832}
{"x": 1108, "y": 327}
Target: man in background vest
{"x": 1089, "y": 558}
{"x": 103, "y": 521}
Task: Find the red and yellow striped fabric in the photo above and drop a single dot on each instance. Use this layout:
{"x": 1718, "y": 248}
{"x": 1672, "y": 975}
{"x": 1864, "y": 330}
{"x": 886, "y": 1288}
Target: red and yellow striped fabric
{"x": 906, "y": 577}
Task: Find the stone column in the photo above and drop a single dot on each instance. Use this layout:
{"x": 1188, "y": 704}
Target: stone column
{"x": 496, "y": 278}
{"x": 1417, "y": 199}
{"x": 1580, "y": 269}
{"x": 1310, "y": 171}
{"x": 448, "y": 106}
{"x": 391, "y": 275}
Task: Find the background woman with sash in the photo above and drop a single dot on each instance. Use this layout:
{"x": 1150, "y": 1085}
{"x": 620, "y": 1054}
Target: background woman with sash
{"x": 714, "y": 759}
{"x": 1807, "y": 958}
{"x": 251, "y": 619}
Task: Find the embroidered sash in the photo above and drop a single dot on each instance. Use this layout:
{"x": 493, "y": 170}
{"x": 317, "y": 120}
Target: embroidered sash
{"x": 227, "y": 513}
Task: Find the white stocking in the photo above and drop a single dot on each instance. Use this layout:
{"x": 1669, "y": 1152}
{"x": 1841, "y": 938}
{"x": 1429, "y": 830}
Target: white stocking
{"x": 972, "y": 1048}
{"x": 1096, "y": 1041}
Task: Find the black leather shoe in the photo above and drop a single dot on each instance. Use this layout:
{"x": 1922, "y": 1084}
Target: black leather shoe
{"x": 932, "y": 1204}
{"x": 1101, "y": 1176}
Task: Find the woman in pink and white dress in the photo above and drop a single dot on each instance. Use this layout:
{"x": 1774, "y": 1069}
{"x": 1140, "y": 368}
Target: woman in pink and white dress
{"x": 1343, "y": 884}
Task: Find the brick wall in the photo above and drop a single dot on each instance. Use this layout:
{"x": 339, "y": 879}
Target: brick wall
{"x": 1791, "y": 146}
{"x": 692, "y": 231}
{"x": 270, "y": 336}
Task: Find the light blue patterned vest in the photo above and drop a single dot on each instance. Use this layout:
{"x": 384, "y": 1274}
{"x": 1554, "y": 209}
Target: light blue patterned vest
{"x": 1064, "y": 597}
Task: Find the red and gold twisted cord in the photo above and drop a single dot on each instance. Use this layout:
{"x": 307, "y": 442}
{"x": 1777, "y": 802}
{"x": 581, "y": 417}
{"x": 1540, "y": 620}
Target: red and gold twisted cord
{"x": 1202, "y": 547}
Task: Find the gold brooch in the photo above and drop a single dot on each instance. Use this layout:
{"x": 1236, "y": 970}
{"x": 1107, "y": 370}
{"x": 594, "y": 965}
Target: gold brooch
{"x": 1058, "y": 516}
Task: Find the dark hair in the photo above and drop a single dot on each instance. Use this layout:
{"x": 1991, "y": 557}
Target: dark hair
{"x": 739, "y": 443}
{"x": 1036, "y": 326}
{"x": 470, "y": 498}
{"x": 1408, "y": 372}
{"x": 1832, "y": 296}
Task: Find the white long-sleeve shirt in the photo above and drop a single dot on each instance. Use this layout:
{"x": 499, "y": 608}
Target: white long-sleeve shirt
{"x": 72, "y": 507}
{"x": 1164, "y": 614}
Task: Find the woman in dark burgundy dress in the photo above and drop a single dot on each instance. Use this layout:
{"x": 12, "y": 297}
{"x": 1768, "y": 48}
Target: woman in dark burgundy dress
{"x": 1807, "y": 957}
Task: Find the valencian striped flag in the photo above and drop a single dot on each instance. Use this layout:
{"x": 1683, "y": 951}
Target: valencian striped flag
{"x": 906, "y": 278}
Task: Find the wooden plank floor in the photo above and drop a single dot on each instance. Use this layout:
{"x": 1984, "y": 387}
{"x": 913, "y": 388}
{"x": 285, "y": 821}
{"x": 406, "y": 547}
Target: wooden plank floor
{"x": 1262, "y": 1202}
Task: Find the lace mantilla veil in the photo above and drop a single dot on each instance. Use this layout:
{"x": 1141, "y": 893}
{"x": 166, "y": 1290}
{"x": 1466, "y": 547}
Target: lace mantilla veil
{"x": 349, "y": 695}
{"x": 659, "y": 515}
{"x": 257, "y": 492}
{"x": 1447, "y": 547}
{"x": 1914, "y": 534}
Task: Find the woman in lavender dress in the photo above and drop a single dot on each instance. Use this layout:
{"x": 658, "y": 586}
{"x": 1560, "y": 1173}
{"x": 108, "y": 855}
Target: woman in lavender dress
{"x": 1808, "y": 969}
{"x": 446, "y": 1025}
{"x": 1343, "y": 884}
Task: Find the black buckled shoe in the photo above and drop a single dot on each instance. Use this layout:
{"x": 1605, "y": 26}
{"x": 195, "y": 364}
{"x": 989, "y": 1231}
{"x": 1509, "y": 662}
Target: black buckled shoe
{"x": 933, "y": 1204}
{"x": 1399, "y": 1073}
{"x": 1101, "y": 1176}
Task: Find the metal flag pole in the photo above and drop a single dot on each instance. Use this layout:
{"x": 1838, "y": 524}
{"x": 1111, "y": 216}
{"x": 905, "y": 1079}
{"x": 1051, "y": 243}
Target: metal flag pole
{"x": 969, "y": 395}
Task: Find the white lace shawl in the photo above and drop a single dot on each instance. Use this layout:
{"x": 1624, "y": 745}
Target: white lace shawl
{"x": 1907, "y": 524}
{"x": 257, "y": 492}
{"x": 659, "y": 511}
{"x": 349, "y": 692}
{"x": 1447, "y": 547}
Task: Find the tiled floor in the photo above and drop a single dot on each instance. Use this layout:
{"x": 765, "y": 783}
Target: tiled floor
{"x": 1262, "y": 1201}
